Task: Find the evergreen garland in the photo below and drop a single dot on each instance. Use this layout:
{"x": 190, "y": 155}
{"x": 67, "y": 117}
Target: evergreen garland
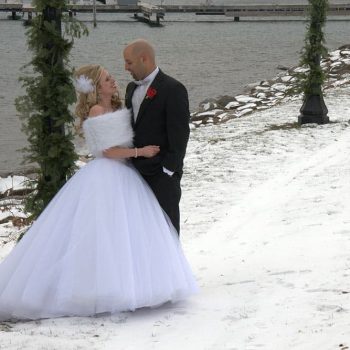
{"x": 44, "y": 109}
{"x": 314, "y": 49}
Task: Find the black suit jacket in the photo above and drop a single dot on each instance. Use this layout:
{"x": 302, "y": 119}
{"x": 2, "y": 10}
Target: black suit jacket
{"x": 163, "y": 120}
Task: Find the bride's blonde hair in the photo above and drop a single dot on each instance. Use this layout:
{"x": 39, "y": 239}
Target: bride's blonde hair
{"x": 87, "y": 100}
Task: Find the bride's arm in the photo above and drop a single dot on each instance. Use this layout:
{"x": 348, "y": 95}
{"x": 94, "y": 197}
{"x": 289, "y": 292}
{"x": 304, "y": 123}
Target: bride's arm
{"x": 119, "y": 152}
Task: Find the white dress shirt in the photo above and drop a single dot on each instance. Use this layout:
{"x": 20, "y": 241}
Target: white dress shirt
{"x": 140, "y": 91}
{"x": 138, "y": 97}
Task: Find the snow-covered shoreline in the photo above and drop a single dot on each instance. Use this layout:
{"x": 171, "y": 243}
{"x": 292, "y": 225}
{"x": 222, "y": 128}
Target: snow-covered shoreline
{"x": 268, "y": 93}
{"x": 265, "y": 226}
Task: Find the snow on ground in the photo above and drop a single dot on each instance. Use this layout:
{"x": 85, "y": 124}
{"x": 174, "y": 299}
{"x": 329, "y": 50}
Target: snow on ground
{"x": 266, "y": 228}
{"x": 13, "y": 182}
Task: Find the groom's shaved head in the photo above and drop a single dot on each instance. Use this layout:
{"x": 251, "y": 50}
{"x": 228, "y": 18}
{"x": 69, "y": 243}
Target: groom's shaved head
{"x": 139, "y": 58}
{"x": 142, "y": 47}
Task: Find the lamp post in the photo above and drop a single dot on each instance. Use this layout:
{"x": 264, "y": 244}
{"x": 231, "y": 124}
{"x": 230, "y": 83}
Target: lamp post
{"x": 314, "y": 109}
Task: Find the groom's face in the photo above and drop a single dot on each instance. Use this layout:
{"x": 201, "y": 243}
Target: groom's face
{"x": 134, "y": 64}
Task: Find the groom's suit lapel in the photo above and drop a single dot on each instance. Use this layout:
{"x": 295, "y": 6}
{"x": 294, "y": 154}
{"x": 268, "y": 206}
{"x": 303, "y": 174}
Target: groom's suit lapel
{"x": 156, "y": 84}
{"x": 128, "y": 98}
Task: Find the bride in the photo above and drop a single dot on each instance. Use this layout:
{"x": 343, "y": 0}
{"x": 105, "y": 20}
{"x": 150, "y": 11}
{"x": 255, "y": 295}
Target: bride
{"x": 103, "y": 244}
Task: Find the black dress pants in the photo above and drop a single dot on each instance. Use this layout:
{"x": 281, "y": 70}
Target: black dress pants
{"x": 168, "y": 192}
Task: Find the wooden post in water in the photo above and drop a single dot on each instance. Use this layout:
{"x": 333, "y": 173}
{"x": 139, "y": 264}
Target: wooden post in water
{"x": 94, "y": 13}
{"x": 13, "y": 16}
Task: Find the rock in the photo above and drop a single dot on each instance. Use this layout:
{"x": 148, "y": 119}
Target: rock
{"x": 222, "y": 115}
{"x": 80, "y": 163}
{"x": 252, "y": 86}
{"x": 262, "y": 88}
{"x": 345, "y": 47}
{"x": 345, "y": 53}
{"x": 195, "y": 119}
{"x": 339, "y": 71}
{"x": 279, "y": 87}
{"x": 286, "y": 78}
{"x": 206, "y": 106}
{"x": 209, "y": 113}
{"x": 244, "y": 112}
{"x": 222, "y": 101}
{"x": 341, "y": 82}
{"x": 280, "y": 97}
{"x": 246, "y": 99}
{"x": 210, "y": 121}
{"x": 248, "y": 105}
{"x": 227, "y": 118}
{"x": 261, "y": 95}
{"x": 280, "y": 67}
{"x": 335, "y": 55}
{"x": 301, "y": 70}
{"x": 271, "y": 104}
{"x": 336, "y": 64}
{"x": 232, "y": 105}
{"x": 265, "y": 83}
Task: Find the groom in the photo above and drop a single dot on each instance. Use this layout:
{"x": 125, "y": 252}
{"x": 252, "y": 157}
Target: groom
{"x": 160, "y": 117}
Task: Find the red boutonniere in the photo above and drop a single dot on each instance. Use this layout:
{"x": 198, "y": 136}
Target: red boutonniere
{"x": 151, "y": 92}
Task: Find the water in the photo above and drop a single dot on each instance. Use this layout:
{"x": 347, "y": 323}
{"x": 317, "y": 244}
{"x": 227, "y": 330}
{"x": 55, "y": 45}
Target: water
{"x": 210, "y": 56}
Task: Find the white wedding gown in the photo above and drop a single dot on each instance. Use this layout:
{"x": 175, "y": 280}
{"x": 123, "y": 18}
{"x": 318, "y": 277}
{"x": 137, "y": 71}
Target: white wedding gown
{"x": 103, "y": 244}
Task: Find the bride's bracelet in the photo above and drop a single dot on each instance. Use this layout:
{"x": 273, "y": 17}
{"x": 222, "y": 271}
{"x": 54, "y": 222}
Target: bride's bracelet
{"x": 135, "y": 156}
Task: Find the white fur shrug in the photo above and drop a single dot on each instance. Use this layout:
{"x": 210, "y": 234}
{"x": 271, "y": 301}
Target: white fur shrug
{"x": 108, "y": 130}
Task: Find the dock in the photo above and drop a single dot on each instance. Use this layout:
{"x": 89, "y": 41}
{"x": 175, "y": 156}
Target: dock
{"x": 153, "y": 14}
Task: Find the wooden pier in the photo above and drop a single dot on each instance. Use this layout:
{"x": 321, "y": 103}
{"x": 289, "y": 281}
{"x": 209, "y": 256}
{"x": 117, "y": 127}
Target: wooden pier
{"x": 146, "y": 12}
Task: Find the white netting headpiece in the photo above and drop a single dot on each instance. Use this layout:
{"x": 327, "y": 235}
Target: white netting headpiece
{"x": 84, "y": 84}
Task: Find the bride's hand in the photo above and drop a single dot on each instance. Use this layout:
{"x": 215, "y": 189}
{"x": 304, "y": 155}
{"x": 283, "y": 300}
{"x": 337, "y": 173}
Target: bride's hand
{"x": 149, "y": 151}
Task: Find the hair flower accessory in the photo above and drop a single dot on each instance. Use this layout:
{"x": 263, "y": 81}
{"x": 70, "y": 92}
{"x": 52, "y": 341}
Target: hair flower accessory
{"x": 84, "y": 84}
{"x": 151, "y": 92}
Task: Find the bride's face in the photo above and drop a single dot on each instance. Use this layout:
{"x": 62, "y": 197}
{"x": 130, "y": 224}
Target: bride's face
{"x": 107, "y": 85}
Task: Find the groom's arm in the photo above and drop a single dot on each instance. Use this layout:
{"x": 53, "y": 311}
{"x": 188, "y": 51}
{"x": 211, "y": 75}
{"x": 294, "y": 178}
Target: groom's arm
{"x": 178, "y": 131}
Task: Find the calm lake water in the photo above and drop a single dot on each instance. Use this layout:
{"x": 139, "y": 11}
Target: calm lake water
{"x": 211, "y": 55}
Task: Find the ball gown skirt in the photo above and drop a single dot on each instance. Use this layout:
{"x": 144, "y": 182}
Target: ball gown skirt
{"x": 103, "y": 244}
